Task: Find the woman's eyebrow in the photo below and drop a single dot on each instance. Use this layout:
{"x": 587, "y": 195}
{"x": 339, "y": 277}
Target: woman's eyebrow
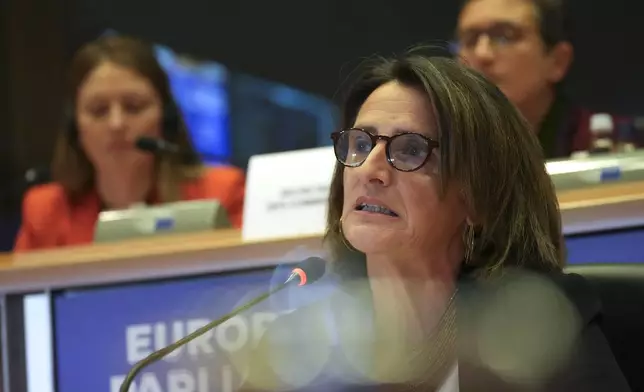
{"x": 374, "y": 130}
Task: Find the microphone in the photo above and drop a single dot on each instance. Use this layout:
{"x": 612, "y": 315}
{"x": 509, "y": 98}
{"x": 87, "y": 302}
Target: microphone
{"x": 306, "y": 272}
{"x": 37, "y": 176}
{"x": 154, "y": 145}
{"x": 160, "y": 146}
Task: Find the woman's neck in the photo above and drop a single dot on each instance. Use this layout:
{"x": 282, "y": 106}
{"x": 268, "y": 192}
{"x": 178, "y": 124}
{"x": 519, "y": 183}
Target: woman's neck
{"x": 122, "y": 190}
{"x": 408, "y": 305}
{"x": 413, "y": 298}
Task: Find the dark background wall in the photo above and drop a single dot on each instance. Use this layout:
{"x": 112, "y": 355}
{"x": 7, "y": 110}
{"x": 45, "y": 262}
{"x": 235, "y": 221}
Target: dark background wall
{"x": 307, "y": 43}
{"x": 32, "y": 60}
{"x": 311, "y": 45}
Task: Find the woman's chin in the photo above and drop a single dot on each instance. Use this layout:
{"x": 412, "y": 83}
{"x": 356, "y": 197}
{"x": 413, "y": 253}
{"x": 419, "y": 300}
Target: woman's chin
{"x": 371, "y": 239}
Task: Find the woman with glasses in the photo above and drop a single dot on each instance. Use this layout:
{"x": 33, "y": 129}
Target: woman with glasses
{"x": 446, "y": 237}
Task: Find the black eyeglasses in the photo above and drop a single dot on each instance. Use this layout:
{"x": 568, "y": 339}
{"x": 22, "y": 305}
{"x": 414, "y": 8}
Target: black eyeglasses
{"x": 405, "y": 152}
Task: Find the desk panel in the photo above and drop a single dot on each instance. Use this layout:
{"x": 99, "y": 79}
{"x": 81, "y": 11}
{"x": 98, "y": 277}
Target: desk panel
{"x": 615, "y": 246}
{"x": 101, "y": 332}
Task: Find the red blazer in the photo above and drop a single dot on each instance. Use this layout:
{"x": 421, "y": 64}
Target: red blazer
{"x": 49, "y": 220}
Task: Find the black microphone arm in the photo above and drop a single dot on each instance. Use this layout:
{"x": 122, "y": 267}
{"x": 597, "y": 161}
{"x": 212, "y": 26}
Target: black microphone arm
{"x": 306, "y": 272}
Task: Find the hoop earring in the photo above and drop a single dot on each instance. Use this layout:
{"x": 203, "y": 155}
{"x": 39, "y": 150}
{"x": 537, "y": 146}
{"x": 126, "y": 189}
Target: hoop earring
{"x": 344, "y": 239}
{"x": 469, "y": 243}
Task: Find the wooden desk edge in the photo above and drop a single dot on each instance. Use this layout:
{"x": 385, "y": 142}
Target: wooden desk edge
{"x": 57, "y": 272}
{"x": 602, "y": 208}
{"x": 600, "y": 194}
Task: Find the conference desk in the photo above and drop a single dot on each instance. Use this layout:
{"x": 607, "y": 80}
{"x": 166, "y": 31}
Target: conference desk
{"x": 587, "y": 210}
{"x": 142, "y": 274}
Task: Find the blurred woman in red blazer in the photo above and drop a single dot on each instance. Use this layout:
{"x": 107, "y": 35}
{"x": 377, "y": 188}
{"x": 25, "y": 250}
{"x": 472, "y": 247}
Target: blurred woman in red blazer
{"x": 119, "y": 93}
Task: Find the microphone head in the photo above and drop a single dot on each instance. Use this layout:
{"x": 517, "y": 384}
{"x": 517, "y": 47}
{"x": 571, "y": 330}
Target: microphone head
{"x": 308, "y": 271}
{"x": 147, "y": 144}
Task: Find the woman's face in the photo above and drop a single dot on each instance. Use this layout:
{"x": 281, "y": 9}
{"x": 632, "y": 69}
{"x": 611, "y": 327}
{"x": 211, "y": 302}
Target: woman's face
{"x": 114, "y": 106}
{"x": 422, "y": 222}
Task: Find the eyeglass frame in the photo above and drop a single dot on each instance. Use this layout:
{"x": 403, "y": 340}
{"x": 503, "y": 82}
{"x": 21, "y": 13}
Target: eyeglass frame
{"x": 431, "y": 143}
{"x": 520, "y": 33}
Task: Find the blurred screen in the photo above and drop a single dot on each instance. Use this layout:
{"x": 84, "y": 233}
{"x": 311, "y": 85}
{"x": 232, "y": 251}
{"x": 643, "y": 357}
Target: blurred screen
{"x": 199, "y": 89}
{"x": 272, "y": 117}
{"x": 232, "y": 116}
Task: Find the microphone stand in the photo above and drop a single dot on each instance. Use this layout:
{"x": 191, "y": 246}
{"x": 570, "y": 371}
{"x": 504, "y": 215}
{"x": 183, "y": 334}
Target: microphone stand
{"x": 159, "y": 354}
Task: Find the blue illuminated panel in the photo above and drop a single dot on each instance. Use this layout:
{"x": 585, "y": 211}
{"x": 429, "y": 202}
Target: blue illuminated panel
{"x": 199, "y": 89}
{"x": 623, "y": 246}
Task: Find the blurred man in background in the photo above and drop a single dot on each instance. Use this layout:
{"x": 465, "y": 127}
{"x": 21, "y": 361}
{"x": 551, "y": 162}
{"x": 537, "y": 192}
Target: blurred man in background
{"x": 523, "y": 46}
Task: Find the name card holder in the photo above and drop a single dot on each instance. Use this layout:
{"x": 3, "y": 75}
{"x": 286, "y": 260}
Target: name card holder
{"x": 286, "y": 193}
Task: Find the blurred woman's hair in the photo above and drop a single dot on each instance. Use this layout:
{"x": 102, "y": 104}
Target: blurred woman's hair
{"x": 71, "y": 167}
{"x": 486, "y": 148}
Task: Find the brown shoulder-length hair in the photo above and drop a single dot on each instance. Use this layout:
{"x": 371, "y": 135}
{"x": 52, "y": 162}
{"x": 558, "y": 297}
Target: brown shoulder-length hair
{"x": 486, "y": 147}
{"x": 70, "y": 166}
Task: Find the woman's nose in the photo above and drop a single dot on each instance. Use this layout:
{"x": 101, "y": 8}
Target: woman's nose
{"x": 375, "y": 168}
{"x": 116, "y": 119}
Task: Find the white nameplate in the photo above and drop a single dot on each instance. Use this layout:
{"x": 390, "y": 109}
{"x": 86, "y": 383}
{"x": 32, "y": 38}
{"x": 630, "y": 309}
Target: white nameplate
{"x": 286, "y": 193}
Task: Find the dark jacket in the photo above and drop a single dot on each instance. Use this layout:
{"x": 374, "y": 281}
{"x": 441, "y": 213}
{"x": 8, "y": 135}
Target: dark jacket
{"x": 533, "y": 328}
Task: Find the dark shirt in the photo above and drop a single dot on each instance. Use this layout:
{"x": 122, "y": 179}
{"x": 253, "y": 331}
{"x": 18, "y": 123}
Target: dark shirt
{"x": 552, "y": 128}
{"x": 528, "y": 330}
{"x": 566, "y": 129}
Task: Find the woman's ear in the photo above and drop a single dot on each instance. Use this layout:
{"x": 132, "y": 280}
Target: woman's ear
{"x": 561, "y": 56}
{"x": 468, "y": 208}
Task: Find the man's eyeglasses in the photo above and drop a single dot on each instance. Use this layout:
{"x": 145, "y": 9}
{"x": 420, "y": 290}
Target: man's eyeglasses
{"x": 405, "y": 151}
{"x": 499, "y": 35}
